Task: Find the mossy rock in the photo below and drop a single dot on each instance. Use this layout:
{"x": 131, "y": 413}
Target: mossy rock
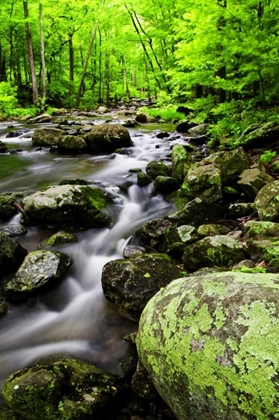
{"x": 67, "y": 205}
{"x": 11, "y": 254}
{"x": 165, "y": 185}
{"x": 237, "y": 210}
{"x": 218, "y": 250}
{"x": 47, "y": 137}
{"x": 154, "y": 169}
{"x": 106, "y": 138}
{"x": 128, "y": 284}
{"x": 7, "y": 205}
{"x": 3, "y": 310}
{"x": 253, "y": 180}
{"x": 264, "y": 249}
{"x": 196, "y": 212}
{"x": 203, "y": 182}
{"x": 39, "y": 271}
{"x": 231, "y": 164}
{"x": 143, "y": 179}
{"x": 70, "y": 143}
{"x": 152, "y": 232}
{"x": 257, "y": 229}
{"x": 267, "y": 202}
{"x": 7, "y": 414}
{"x": 212, "y": 230}
{"x": 60, "y": 238}
{"x": 260, "y": 136}
{"x": 175, "y": 240}
{"x": 65, "y": 389}
{"x": 181, "y": 162}
{"x": 210, "y": 344}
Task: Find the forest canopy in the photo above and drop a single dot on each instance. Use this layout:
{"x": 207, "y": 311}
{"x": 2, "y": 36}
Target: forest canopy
{"x": 82, "y": 52}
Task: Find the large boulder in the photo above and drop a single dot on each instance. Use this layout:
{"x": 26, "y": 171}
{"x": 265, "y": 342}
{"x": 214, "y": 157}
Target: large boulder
{"x": 106, "y": 138}
{"x": 11, "y": 254}
{"x": 128, "y": 284}
{"x": 65, "y": 389}
{"x": 39, "y": 271}
{"x": 267, "y": 202}
{"x": 67, "y": 205}
{"x": 260, "y": 136}
{"x": 203, "y": 182}
{"x": 253, "y": 180}
{"x": 210, "y": 345}
{"x": 47, "y": 137}
{"x": 231, "y": 164}
{"x": 219, "y": 250}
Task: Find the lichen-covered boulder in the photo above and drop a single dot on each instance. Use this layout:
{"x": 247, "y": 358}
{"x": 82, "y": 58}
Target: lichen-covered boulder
{"x": 47, "y": 137}
{"x": 196, "y": 212}
{"x": 39, "y": 271}
{"x": 165, "y": 185}
{"x": 67, "y": 205}
{"x": 267, "y": 202}
{"x": 231, "y": 164}
{"x": 60, "y": 238}
{"x": 128, "y": 284}
{"x": 70, "y": 143}
{"x": 65, "y": 389}
{"x": 155, "y": 168}
{"x": 203, "y": 182}
{"x": 174, "y": 241}
{"x": 106, "y": 138}
{"x": 219, "y": 250}
{"x": 253, "y": 180}
{"x": 260, "y": 136}
{"x": 181, "y": 162}
{"x": 210, "y": 344}
{"x": 8, "y": 205}
{"x": 11, "y": 254}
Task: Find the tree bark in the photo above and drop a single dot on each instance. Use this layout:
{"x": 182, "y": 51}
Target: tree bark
{"x": 89, "y": 51}
{"x": 43, "y": 64}
{"x": 30, "y": 53}
{"x": 71, "y": 58}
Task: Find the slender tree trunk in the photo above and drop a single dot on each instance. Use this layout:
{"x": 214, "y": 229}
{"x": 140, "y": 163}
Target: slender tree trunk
{"x": 100, "y": 96}
{"x": 43, "y": 64}
{"x": 71, "y": 58}
{"x": 30, "y": 53}
{"x": 89, "y": 51}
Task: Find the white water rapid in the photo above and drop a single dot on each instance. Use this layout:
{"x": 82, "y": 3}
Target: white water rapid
{"x": 74, "y": 319}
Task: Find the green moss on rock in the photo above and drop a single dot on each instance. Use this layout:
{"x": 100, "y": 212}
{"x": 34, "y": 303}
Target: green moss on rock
{"x": 210, "y": 346}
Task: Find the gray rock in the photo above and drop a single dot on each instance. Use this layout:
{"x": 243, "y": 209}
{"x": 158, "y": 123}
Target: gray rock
{"x": 267, "y": 202}
{"x": 67, "y": 205}
{"x": 253, "y": 180}
{"x": 47, "y": 137}
{"x": 39, "y": 271}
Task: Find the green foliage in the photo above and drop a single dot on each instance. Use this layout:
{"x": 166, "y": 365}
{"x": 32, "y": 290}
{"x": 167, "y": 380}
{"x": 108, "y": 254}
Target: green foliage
{"x": 244, "y": 269}
{"x": 167, "y": 114}
{"x": 267, "y": 156}
{"x": 7, "y": 98}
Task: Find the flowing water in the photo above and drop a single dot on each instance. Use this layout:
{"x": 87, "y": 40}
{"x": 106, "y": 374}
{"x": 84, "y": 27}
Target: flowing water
{"x": 74, "y": 319}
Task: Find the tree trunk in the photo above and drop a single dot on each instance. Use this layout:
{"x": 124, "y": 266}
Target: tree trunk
{"x": 71, "y": 58}
{"x": 43, "y": 64}
{"x": 93, "y": 35}
{"x": 30, "y": 53}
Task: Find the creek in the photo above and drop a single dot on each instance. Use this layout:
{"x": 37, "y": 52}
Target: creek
{"x": 74, "y": 319}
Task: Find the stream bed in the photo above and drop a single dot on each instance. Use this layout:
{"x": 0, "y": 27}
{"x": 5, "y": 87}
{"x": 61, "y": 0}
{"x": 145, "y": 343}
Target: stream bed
{"x": 74, "y": 319}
